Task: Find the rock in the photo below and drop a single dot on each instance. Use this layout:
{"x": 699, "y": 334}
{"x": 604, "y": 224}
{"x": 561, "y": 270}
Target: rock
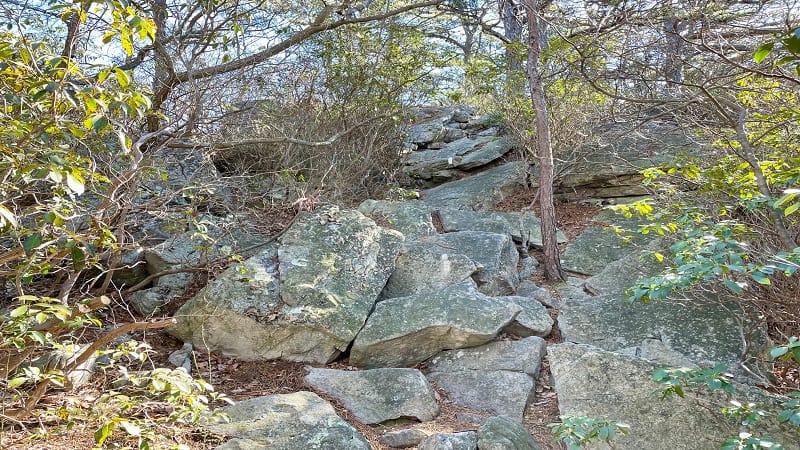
{"x": 483, "y": 190}
{"x": 148, "y": 302}
{"x": 528, "y": 266}
{"x": 132, "y": 269}
{"x": 520, "y": 226}
{"x": 620, "y": 275}
{"x": 182, "y": 357}
{"x": 287, "y": 422}
{"x": 463, "y": 154}
{"x": 332, "y": 264}
{"x": 378, "y": 395}
{"x": 427, "y": 132}
{"x": 534, "y": 320}
{"x": 412, "y": 218}
{"x": 466, "y": 440}
{"x": 704, "y": 330}
{"x": 407, "y": 330}
{"x": 600, "y": 384}
{"x": 410, "y": 437}
{"x": 424, "y": 267}
{"x": 530, "y": 289}
{"x": 497, "y": 392}
{"x": 524, "y": 355}
{"x": 500, "y": 433}
{"x": 495, "y": 252}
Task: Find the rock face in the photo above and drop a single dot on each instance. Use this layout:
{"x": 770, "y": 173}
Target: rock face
{"x": 425, "y": 267}
{"x": 596, "y": 383}
{"x": 483, "y": 190}
{"x": 407, "y": 330}
{"x": 378, "y": 395}
{"x": 412, "y": 218}
{"x": 332, "y": 264}
{"x": 500, "y": 433}
{"x": 463, "y": 154}
{"x": 522, "y": 227}
{"x": 287, "y": 422}
{"x": 495, "y": 253}
{"x": 524, "y": 355}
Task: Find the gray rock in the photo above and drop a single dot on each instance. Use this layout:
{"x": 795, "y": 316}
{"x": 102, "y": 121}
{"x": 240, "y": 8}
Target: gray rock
{"x": 132, "y": 269}
{"x": 427, "y": 132}
{"x": 521, "y": 227}
{"x": 483, "y": 190}
{"x": 466, "y": 440}
{"x": 378, "y": 395}
{"x": 332, "y": 263}
{"x": 498, "y": 392}
{"x": 410, "y": 437}
{"x": 530, "y": 289}
{"x": 595, "y": 383}
{"x": 534, "y": 320}
{"x": 463, "y": 154}
{"x": 528, "y": 266}
{"x": 407, "y": 330}
{"x": 287, "y": 422}
{"x": 495, "y": 252}
{"x": 148, "y": 302}
{"x": 704, "y": 330}
{"x": 620, "y": 275}
{"x": 423, "y": 267}
{"x": 524, "y": 355}
{"x": 500, "y": 433}
{"x": 412, "y": 218}
{"x": 182, "y": 357}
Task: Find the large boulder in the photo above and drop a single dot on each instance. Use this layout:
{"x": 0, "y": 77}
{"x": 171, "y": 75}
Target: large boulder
{"x": 496, "y": 254}
{"x": 412, "y": 218}
{"x": 522, "y": 227}
{"x": 407, "y": 330}
{"x": 524, "y": 355}
{"x": 463, "y": 154}
{"x": 620, "y": 275}
{"x": 497, "y": 392}
{"x": 287, "y": 422}
{"x": 534, "y": 320}
{"x": 466, "y": 440}
{"x": 424, "y": 267}
{"x": 378, "y": 395}
{"x": 705, "y": 330}
{"x": 596, "y": 383}
{"x": 500, "y": 433}
{"x": 483, "y": 190}
{"x": 305, "y": 300}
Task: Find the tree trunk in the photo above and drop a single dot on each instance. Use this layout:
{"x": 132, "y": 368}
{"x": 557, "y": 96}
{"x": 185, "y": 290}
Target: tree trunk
{"x": 512, "y": 29}
{"x": 552, "y": 262}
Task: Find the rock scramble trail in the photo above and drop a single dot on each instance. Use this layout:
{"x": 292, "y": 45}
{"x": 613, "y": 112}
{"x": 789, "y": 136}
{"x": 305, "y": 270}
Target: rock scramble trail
{"x": 427, "y": 307}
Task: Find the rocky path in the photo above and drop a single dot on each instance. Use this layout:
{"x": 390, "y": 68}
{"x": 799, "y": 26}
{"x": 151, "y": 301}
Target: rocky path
{"x": 431, "y": 304}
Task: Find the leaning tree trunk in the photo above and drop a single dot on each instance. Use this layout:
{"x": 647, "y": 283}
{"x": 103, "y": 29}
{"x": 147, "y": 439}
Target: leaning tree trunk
{"x": 552, "y": 262}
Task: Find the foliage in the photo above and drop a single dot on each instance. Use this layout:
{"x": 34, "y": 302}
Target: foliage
{"x": 578, "y": 431}
{"x": 786, "y": 48}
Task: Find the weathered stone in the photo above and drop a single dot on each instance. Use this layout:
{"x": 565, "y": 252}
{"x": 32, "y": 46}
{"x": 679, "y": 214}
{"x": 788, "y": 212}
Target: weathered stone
{"x": 480, "y": 191}
{"x": 500, "y": 433}
{"x": 596, "y": 248}
{"x": 149, "y": 302}
{"x": 495, "y": 252}
{"x": 498, "y": 392}
{"x": 287, "y": 422}
{"x": 378, "y": 395}
{"x": 595, "y": 383}
{"x": 332, "y": 266}
{"x": 424, "y": 267}
{"x": 527, "y": 267}
{"x": 620, "y": 275}
{"x": 524, "y": 355}
{"x": 466, "y": 440}
{"x": 409, "y": 437}
{"x": 534, "y": 320}
{"x": 412, "y": 218}
{"x": 522, "y": 227}
{"x": 427, "y": 132}
{"x": 705, "y": 330}
{"x": 132, "y": 269}
{"x": 463, "y": 154}
{"x": 530, "y": 289}
{"x": 407, "y": 330}
{"x": 182, "y": 357}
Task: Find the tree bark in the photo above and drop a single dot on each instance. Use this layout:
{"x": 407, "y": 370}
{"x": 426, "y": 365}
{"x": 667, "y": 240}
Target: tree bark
{"x": 552, "y": 261}
{"x": 512, "y": 28}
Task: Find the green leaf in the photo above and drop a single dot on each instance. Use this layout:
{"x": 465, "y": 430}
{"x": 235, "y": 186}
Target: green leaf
{"x": 18, "y": 311}
{"x": 19, "y": 381}
{"x": 792, "y": 208}
{"x": 75, "y": 183}
{"x": 760, "y": 278}
{"x": 777, "y": 352}
{"x": 763, "y": 51}
{"x": 122, "y": 77}
{"x": 103, "y": 433}
{"x": 78, "y": 258}
{"x": 734, "y": 286}
{"x": 32, "y": 242}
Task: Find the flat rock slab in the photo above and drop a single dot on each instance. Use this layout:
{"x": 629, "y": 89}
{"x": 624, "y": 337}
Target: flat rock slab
{"x": 404, "y": 331}
{"x": 703, "y": 330}
{"x": 495, "y": 253}
{"x": 409, "y": 437}
{"x": 497, "y": 392}
{"x": 378, "y": 395}
{"x": 287, "y": 422}
{"x": 534, "y": 320}
{"x": 466, "y": 440}
{"x": 483, "y": 190}
{"x": 524, "y": 355}
{"x": 500, "y": 433}
{"x": 412, "y": 217}
{"x": 595, "y": 383}
{"x": 531, "y": 290}
{"x": 521, "y": 227}
{"x": 424, "y": 267}
{"x": 622, "y": 274}
{"x": 305, "y": 300}
{"x": 462, "y": 154}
